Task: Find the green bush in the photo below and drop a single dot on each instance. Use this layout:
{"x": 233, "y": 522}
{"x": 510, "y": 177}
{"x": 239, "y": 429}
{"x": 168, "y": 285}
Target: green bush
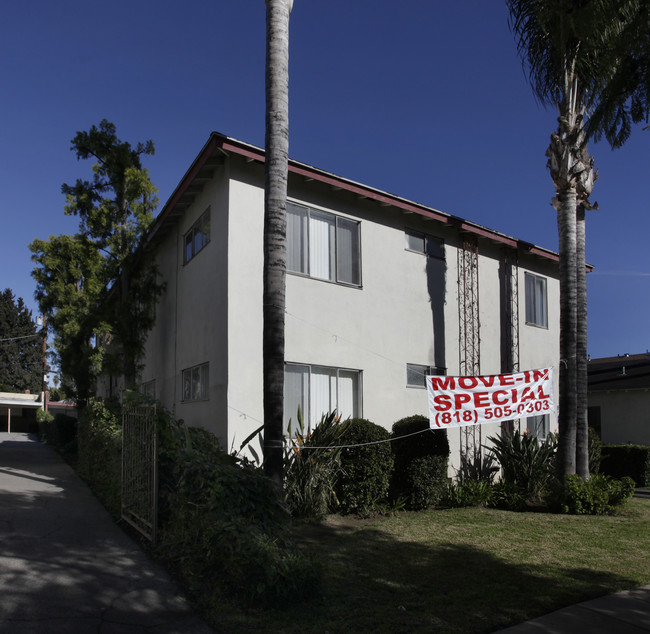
{"x": 100, "y": 451}
{"x": 421, "y": 461}
{"x": 599, "y": 495}
{"x": 225, "y": 522}
{"x": 310, "y": 474}
{"x": 627, "y": 460}
{"x": 526, "y": 464}
{"x": 508, "y": 496}
{"x": 468, "y": 492}
{"x": 426, "y": 480}
{"x": 595, "y": 451}
{"x": 362, "y": 486}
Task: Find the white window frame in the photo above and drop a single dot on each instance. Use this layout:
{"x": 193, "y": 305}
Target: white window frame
{"x": 536, "y": 290}
{"x": 197, "y": 238}
{"x": 195, "y": 383}
{"x": 420, "y": 372}
{"x": 306, "y": 261}
{"x": 310, "y": 417}
{"x": 425, "y": 244}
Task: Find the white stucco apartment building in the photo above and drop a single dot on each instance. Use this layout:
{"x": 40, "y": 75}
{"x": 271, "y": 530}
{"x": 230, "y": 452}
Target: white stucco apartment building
{"x": 379, "y": 292}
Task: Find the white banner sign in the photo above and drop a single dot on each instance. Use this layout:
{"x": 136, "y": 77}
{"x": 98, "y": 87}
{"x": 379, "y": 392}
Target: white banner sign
{"x": 458, "y": 401}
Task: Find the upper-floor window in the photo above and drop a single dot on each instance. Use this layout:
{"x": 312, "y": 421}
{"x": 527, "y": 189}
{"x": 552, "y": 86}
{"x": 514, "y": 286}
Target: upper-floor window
{"x": 422, "y": 243}
{"x": 416, "y": 374}
{"x": 318, "y": 390}
{"x": 536, "y": 304}
{"x": 196, "y": 382}
{"x": 322, "y": 245}
{"x": 197, "y": 237}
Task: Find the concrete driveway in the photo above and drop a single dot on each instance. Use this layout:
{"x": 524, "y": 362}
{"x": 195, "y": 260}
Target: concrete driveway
{"x": 65, "y": 566}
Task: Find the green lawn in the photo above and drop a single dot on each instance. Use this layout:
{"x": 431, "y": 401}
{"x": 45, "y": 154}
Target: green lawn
{"x": 459, "y": 570}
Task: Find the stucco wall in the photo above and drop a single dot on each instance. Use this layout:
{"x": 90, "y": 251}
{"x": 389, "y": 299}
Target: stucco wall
{"x": 624, "y": 416}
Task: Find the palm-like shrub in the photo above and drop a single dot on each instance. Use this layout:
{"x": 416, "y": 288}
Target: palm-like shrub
{"x": 526, "y": 463}
{"x": 312, "y": 465}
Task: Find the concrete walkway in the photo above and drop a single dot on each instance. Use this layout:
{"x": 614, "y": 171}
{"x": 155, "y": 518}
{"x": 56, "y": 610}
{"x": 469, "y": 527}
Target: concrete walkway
{"x": 65, "y": 566}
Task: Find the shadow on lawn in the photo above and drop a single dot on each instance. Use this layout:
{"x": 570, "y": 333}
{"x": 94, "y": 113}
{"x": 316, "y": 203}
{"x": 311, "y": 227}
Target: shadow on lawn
{"x": 373, "y": 582}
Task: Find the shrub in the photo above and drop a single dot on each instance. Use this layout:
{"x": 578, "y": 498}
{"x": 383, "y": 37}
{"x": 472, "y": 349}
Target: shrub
{"x": 100, "y": 451}
{"x": 310, "y": 474}
{"x": 526, "y": 464}
{"x": 226, "y": 521}
{"x": 599, "y": 495}
{"x": 509, "y": 496}
{"x": 627, "y": 460}
{"x": 421, "y": 461}
{"x": 467, "y": 493}
{"x": 362, "y": 486}
{"x": 595, "y": 451}
{"x": 426, "y": 481}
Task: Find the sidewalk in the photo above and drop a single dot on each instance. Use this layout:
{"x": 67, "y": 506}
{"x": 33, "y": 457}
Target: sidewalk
{"x": 65, "y": 566}
{"x": 622, "y": 613}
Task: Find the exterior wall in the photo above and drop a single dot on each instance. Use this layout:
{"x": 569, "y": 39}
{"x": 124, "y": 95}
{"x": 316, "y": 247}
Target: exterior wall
{"x": 405, "y": 311}
{"x": 624, "y": 415}
{"x": 191, "y": 316}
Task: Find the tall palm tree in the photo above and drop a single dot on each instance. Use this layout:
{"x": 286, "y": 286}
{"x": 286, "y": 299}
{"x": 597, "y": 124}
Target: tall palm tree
{"x": 275, "y": 244}
{"x": 568, "y": 47}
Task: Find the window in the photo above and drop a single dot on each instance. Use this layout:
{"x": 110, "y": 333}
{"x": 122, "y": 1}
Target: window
{"x": 196, "y": 383}
{"x": 149, "y": 389}
{"x": 536, "y": 307}
{"x": 416, "y": 374}
{"x": 323, "y": 245}
{"x": 538, "y": 426}
{"x": 197, "y": 237}
{"x": 427, "y": 245}
{"x": 318, "y": 390}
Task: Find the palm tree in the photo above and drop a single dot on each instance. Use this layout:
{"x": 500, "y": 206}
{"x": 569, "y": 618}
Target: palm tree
{"x": 275, "y": 244}
{"x": 568, "y": 48}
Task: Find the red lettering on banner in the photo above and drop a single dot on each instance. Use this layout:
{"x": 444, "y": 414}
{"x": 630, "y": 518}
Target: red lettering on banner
{"x": 481, "y": 399}
{"x": 443, "y": 401}
{"x": 527, "y": 376}
{"x": 459, "y": 399}
{"x": 540, "y": 392}
{"x": 488, "y": 381}
{"x": 443, "y": 383}
{"x": 527, "y": 395}
{"x": 540, "y": 375}
{"x": 496, "y": 400}
{"x": 467, "y": 382}
{"x": 506, "y": 380}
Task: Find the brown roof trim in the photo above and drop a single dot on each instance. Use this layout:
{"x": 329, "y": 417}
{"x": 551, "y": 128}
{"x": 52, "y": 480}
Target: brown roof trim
{"x": 219, "y": 142}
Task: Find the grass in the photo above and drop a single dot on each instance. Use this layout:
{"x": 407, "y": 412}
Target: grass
{"x": 458, "y": 570}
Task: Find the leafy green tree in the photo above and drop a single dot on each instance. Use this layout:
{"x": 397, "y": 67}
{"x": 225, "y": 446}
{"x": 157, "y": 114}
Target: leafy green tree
{"x": 21, "y": 347}
{"x": 275, "y": 229}
{"x": 97, "y": 287}
{"x": 573, "y": 51}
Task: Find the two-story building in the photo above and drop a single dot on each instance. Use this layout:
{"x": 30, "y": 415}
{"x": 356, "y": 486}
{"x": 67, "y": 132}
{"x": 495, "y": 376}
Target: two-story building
{"x": 380, "y": 292}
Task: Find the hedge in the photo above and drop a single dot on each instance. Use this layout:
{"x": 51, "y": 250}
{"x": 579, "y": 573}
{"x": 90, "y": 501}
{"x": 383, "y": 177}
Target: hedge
{"x": 627, "y": 460}
{"x": 421, "y": 461}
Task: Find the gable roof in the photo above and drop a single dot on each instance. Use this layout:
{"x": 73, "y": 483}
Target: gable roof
{"x": 625, "y": 372}
{"x": 220, "y": 146}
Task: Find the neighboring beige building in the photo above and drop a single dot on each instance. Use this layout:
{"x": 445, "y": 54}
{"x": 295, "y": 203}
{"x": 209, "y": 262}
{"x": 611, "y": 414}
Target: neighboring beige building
{"x": 619, "y": 398}
{"x": 379, "y": 292}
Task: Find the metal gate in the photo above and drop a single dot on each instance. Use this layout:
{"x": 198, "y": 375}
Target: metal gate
{"x": 140, "y": 469}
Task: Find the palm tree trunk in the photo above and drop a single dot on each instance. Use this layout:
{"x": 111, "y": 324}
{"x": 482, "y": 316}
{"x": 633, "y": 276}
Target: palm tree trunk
{"x": 566, "y": 221}
{"x": 275, "y": 245}
{"x": 582, "y": 428}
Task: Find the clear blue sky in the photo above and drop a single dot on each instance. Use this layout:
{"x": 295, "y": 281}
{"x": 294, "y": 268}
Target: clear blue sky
{"x": 426, "y": 100}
